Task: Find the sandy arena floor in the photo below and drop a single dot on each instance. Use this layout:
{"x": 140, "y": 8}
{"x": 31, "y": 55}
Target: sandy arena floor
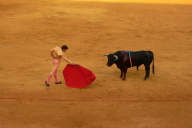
{"x": 28, "y": 30}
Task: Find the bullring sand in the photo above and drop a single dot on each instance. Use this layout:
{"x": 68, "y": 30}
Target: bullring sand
{"x": 91, "y": 28}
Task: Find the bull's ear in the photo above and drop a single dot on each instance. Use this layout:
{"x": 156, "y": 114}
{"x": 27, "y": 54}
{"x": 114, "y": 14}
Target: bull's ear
{"x": 106, "y": 55}
{"x": 116, "y": 57}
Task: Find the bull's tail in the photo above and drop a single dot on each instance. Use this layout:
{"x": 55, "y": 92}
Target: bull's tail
{"x": 153, "y": 66}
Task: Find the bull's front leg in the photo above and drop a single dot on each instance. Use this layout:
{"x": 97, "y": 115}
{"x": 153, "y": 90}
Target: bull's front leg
{"x": 121, "y": 75}
{"x": 124, "y": 74}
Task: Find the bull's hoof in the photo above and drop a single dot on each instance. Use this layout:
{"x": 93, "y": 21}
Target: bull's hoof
{"x": 145, "y": 78}
{"x": 123, "y": 79}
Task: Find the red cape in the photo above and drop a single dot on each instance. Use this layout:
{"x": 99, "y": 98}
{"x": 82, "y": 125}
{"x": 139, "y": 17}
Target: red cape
{"x": 77, "y": 76}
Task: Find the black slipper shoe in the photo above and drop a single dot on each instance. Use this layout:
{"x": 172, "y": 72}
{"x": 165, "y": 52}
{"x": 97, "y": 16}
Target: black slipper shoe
{"x": 46, "y": 84}
{"x": 58, "y": 82}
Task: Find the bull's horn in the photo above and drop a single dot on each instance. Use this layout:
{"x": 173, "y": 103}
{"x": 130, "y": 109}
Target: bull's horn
{"x": 116, "y": 57}
{"x": 106, "y": 55}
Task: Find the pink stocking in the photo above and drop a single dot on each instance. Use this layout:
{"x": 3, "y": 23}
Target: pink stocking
{"x": 49, "y": 77}
{"x": 56, "y": 78}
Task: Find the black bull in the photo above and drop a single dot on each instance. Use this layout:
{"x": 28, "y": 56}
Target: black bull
{"x": 127, "y": 59}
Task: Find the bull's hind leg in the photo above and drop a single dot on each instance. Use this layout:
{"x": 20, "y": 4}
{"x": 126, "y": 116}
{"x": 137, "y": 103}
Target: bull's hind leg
{"x": 147, "y": 70}
{"x": 138, "y": 67}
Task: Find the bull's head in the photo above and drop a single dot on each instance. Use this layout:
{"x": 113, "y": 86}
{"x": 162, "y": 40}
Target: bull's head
{"x": 111, "y": 59}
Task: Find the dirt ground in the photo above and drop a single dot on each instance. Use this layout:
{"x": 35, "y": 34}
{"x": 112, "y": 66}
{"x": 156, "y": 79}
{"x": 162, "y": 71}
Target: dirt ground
{"x": 28, "y": 30}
